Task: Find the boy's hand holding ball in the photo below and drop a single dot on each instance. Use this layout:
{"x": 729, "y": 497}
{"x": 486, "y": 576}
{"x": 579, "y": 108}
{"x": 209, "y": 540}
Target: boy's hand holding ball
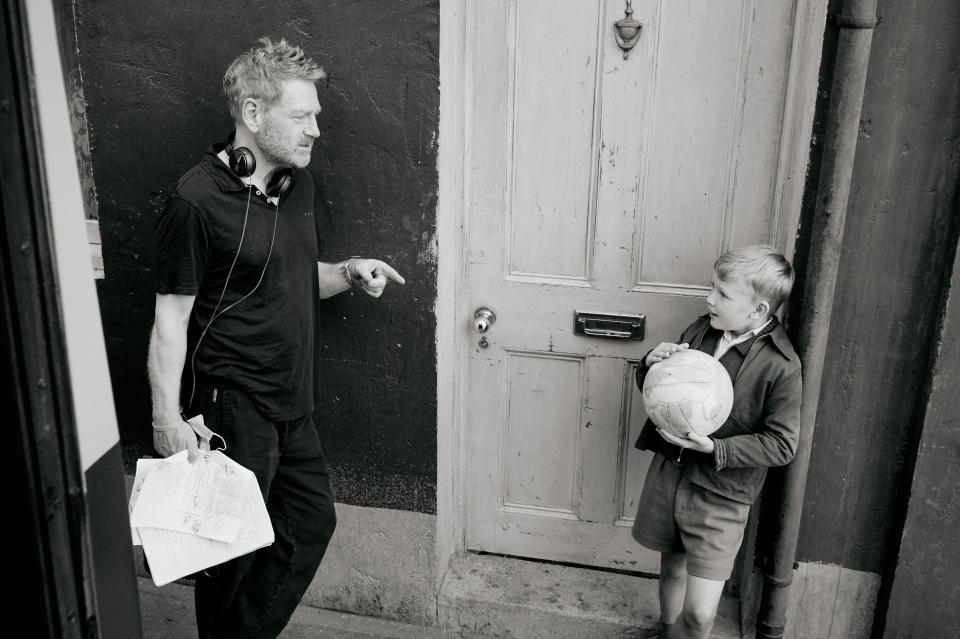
{"x": 700, "y": 443}
{"x": 663, "y": 351}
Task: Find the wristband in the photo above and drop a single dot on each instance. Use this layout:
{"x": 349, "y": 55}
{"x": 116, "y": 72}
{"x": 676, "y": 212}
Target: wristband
{"x": 169, "y": 426}
{"x": 354, "y": 278}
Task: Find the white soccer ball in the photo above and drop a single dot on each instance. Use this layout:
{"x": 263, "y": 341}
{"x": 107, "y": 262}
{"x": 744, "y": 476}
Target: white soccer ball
{"x": 688, "y": 392}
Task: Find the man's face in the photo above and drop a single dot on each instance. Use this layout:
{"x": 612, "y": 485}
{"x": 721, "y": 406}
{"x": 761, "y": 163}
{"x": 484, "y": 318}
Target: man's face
{"x": 733, "y": 305}
{"x": 289, "y": 126}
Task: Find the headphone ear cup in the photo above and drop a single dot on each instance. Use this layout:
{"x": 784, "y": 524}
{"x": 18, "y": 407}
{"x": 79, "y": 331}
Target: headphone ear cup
{"x": 280, "y": 183}
{"x": 242, "y": 161}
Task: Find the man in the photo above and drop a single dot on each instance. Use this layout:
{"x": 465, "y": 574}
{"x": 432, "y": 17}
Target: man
{"x": 234, "y": 340}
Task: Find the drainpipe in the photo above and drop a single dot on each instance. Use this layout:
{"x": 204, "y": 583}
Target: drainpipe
{"x": 855, "y": 23}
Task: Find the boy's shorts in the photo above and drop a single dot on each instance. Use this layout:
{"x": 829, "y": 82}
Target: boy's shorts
{"x": 677, "y": 516}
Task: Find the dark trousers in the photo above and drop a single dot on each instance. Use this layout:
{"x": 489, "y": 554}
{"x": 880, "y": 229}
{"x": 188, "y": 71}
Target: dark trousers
{"x": 255, "y": 594}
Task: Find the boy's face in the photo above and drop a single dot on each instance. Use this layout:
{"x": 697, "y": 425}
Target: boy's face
{"x": 735, "y": 307}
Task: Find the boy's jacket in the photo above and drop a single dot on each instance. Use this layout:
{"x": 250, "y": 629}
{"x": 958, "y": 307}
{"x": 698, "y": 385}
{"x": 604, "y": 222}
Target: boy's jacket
{"x": 764, "y": 423}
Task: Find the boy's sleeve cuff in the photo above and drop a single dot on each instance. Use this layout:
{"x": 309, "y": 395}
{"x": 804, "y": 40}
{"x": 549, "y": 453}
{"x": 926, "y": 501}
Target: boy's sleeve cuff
{"x": 719, "y": 454}
{"x": 642, "y": 370}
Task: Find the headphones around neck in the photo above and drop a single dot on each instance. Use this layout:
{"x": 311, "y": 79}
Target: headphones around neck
{"x": 243, "y": 163}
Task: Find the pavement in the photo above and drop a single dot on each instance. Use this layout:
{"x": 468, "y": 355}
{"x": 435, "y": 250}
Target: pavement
{"x": 166, "y": 612}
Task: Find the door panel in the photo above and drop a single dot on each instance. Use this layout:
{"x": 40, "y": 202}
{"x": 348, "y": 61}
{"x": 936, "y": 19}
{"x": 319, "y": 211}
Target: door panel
{"x": 543, "y": 393}
{"x": 549, "y": 140}
{"x": 696, "y": 105}
{"x": 599, "y": 183}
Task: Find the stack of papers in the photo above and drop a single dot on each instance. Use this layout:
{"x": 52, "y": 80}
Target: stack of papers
{"x": 191, "y": 516}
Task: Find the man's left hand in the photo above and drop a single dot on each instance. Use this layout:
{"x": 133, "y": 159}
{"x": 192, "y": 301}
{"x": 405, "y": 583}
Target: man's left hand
{"x": 374, "y": 275}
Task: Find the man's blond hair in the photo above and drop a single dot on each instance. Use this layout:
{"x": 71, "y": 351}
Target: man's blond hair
{"x": 762, "y": 268}
{"x": 259, "y": 72}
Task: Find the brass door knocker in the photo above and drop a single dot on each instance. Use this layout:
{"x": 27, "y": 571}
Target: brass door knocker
{"x": 627, "y": 30}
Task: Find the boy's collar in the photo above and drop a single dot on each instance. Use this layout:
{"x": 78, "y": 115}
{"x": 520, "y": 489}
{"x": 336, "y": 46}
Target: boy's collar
{"x": 776, "y": 333}
{"x": 731, "y": 336}
{"x": 778, "y": 337}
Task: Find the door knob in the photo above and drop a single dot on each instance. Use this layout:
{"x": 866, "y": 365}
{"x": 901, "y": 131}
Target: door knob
{"x": 483, "y": 319}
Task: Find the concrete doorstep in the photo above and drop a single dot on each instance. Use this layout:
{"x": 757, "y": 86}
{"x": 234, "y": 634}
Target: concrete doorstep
{"x": 508, "y": 597}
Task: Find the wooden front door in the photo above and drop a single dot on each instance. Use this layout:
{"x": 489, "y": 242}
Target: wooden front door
{"x": 603, "y": 184}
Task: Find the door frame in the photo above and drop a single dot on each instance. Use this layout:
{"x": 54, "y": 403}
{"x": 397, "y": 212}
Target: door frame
{"x": 68, "y": 476}
{"x": 452, "y": 312}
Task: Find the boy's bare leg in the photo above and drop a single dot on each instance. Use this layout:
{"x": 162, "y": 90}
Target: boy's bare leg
{"x": 672, "y": 587}
{"x": 699, "y": 609}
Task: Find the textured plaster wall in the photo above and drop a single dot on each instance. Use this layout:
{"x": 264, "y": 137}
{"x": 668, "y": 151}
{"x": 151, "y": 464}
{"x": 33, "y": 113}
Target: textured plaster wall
{"x": 357, "y": 575}
{"x": 898, "y": 247}
{"x": 924, "y": 595}
{"x": 151, "y": 78}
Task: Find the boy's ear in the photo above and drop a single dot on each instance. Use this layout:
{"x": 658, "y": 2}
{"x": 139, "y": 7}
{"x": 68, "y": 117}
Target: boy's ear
{"x": 763, "y": 308}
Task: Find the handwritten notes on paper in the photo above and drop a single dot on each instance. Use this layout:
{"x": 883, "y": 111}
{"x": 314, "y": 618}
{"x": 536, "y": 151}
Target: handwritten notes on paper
{"x": 190, "y": 516}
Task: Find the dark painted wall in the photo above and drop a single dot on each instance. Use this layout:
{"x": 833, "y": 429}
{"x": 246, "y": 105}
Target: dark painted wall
{"x": 151, "y": 74}
{"x": 898, "y": 248}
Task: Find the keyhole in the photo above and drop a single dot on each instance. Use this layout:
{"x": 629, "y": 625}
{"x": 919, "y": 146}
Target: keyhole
{"x": 483, "y": 342}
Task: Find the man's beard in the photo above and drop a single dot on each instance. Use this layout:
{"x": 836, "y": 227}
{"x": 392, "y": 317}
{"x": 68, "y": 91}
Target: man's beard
{"x": 279, "y": 150}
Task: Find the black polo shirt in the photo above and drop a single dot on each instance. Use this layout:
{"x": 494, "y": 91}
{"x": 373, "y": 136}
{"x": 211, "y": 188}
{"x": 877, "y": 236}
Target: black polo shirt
{"x": 262, "y": 337}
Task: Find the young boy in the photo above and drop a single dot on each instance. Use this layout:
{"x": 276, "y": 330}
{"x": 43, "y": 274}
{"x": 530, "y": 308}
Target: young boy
{"x": 698, "y": 491}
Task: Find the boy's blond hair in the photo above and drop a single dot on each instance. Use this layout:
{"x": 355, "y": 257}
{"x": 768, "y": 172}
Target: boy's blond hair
{"x": 258, "y": 73}
{"x": 762, "y": 268}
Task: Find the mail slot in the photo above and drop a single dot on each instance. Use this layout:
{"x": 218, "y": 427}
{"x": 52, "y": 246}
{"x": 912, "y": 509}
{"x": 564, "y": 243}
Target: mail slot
{"x": 612, "y": 325}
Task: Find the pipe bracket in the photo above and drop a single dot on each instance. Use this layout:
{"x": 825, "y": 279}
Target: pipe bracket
{"x": 778, "y": 582}
{"x": 853, "y": 22}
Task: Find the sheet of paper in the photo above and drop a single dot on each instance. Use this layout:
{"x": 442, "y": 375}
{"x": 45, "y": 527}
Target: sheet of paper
{"x": 144, "y": 466}
{"x": 200, "y": 498}
{"x": 174, "y": 554}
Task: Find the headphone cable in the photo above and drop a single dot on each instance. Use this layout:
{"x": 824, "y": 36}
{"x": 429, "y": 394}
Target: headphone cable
{"x": 216, "y": 312}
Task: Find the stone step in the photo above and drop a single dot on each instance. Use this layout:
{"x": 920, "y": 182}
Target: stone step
{"x": 507, "y": 597}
